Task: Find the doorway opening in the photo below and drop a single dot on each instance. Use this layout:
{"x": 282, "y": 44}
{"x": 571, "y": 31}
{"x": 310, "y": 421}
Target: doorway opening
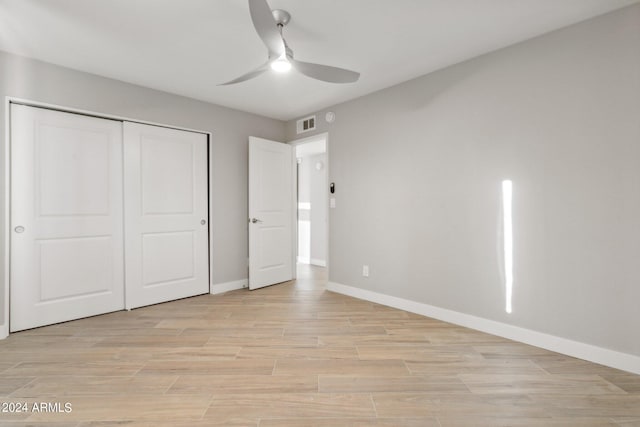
{"x": 313, "y": 206}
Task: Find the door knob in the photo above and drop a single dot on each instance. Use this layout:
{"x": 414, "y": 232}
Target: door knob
{"x": 254, "y": 220}
{"x": 19, "y": 229}
{"x": 203, "y": 222}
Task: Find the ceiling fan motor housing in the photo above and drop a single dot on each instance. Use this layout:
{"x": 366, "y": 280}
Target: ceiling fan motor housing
{"x": 282, "y": 17}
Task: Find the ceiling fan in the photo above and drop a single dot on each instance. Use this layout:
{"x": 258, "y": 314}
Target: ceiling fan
{"x": 268, "y": 25}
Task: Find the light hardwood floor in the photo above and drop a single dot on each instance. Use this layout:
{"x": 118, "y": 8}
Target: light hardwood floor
{"x": 297, "y": 355}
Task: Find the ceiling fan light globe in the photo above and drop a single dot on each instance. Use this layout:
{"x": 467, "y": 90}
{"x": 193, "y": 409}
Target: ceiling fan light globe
{"x": 281, "y": 65}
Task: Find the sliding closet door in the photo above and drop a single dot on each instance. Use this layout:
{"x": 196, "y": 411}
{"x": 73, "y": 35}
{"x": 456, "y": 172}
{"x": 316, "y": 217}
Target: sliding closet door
{"x": 66, "y": 217}
{"x": 166, "y": 214}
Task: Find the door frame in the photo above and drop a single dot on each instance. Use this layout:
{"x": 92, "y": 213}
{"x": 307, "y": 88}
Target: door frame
{"x": 4, "y": 328}
{"x": 295, "y": 143}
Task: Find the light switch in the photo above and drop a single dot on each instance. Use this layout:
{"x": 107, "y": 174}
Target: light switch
{"x": 332, "y": 202}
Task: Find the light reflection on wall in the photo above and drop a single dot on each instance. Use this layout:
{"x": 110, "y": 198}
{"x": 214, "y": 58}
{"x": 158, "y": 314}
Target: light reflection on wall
{"x": 507, "y": 221}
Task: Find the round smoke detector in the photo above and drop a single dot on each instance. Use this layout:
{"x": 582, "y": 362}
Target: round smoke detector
{"x": 330, "y": 117}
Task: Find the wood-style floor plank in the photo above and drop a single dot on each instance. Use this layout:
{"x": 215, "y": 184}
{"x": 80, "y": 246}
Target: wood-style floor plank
{"x": 209, "y": 367}
{"x": 341, "y": 366}
{"x": 484, "y": 421}
{"x": 247, "y": 384}
{"x": 426, "y": 353}
{"x": 475, "y": 366}
{"x": 373, "y": 340}
{"x": 423, "y": 404}
{"x": 539, "y": 384}
{"x": 44, "y": 369}
{"x": 576, "y": 405}
{"x": 378, "y": 384}
{"x": 297, "y": 355}
{"x": 297, "y": 405}
{"x": 350, "y": 422}
{"x": 55, "y": 386}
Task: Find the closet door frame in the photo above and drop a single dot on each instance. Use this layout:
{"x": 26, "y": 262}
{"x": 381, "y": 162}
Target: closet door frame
{"x": 4, "y": 328}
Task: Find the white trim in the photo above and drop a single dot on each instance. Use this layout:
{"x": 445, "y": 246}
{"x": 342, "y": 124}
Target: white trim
{"x": 315, "y": 137}
{"x": 305, "y": 140}
{"x": 294, "y": 212}
{"x": 221, "y": 288}
{"x": 304, "y": 205}
{"x": 318, "y": 262}
{"x": 30, "y": 103}
{"x": 327, "y": 206}
{"x": 210, "y": 194}
{"x": 303, "y": 260}
{"x": 603, "y": 356}
{"x": 4, "y": 329}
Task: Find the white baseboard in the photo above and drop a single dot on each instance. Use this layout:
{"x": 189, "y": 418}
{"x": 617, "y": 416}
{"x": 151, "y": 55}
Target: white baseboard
{"x": 215, "y": 289}
{"x": 303, "y": 260}
{"x": 603, "y": 356}
{"x": 318, "y": 262}
{"x": 220, "y": 288}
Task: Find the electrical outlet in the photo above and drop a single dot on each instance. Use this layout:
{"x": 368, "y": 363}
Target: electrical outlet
{"x": 365, "y": 271}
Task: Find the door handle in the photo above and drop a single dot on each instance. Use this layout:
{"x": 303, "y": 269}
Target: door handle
{"x": 254, "y": 220}
{"x": 19, "y": 229}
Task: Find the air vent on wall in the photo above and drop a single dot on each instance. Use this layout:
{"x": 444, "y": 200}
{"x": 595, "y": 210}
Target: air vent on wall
{"x": 306, "y": 124}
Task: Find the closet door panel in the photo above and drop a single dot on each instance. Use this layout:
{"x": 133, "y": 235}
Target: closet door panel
{"x": 66, "y": 216}
{"x": 166, "y": 214}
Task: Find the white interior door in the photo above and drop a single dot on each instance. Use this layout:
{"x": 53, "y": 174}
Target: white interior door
{"x": 271, "y": 207}
{"x": 166, "y": 214}
{"x": 66, "y": 217}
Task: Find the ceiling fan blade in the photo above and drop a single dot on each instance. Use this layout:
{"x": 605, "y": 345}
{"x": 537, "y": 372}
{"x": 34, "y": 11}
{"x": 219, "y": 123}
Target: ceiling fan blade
{"x": 266, "y": 26}
{"x": 325, "y": 72}
{"x": 251, "y": 74}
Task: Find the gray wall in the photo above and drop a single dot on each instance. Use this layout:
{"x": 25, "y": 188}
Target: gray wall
{"x": 38, "y": 81}
{"x": 418, "y": 169}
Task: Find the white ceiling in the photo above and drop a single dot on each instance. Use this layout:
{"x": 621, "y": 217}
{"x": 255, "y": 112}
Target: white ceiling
{"x": 188, "y": 47}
